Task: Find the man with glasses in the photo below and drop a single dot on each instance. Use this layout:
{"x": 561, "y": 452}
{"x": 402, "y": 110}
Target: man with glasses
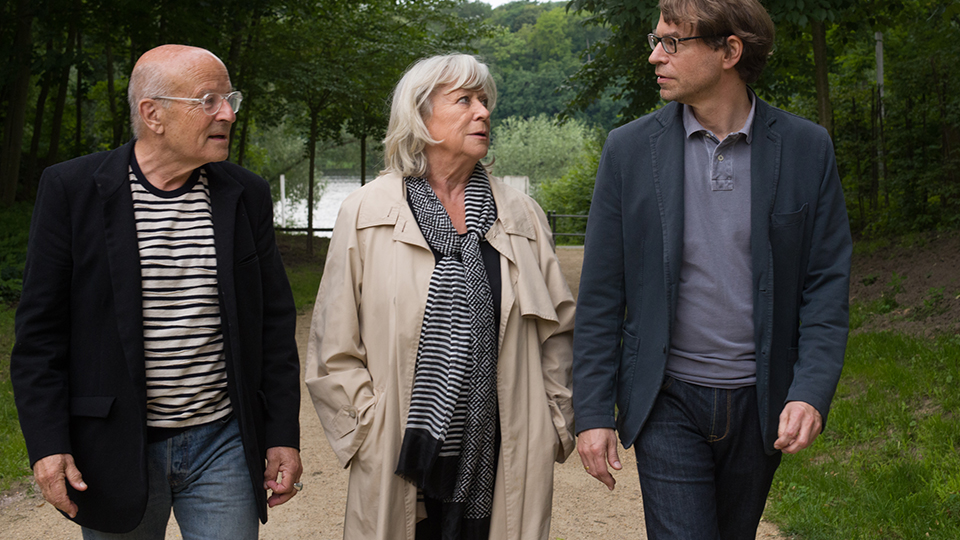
{"x": 712, "y": 314}
{"x": 155, "y": 365}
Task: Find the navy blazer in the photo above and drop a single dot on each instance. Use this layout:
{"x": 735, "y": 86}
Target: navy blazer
{"x": 800, "y": 249}
{"x": 78, "y": 366}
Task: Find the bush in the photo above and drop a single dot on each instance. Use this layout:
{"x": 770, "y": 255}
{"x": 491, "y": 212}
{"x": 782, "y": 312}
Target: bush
{"x": 537, "y": 147}
{"x": 571, "y": 194}
{"x": 14, "y": 230}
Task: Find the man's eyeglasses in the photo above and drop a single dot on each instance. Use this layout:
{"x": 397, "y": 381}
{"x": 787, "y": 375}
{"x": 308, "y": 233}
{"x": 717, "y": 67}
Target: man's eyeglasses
{"x": 669, "y": 42}
{"x": 211, "y": 103}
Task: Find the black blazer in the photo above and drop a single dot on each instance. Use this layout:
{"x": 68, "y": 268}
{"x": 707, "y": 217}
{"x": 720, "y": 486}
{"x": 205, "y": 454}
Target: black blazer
{"x": 78, "y": 362}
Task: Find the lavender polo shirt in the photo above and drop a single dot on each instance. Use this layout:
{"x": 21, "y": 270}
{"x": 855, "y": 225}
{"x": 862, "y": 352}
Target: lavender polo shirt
{"x": 712, "y": 342}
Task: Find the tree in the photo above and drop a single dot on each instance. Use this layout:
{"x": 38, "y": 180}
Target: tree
{"x": 19, "y": 70}
{"x": 534, "y": 52}
{"x": 618, "y": 61}
{"x": 340, "y": 61}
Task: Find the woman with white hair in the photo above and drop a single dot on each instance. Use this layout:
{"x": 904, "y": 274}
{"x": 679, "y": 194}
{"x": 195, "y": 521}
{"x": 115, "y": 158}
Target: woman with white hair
{"x": 440, "y": 353}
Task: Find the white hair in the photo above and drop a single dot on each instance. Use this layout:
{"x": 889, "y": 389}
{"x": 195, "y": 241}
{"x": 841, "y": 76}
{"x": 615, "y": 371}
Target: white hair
{"x": 148, "y": 80}
{"x": 407, "y": 134}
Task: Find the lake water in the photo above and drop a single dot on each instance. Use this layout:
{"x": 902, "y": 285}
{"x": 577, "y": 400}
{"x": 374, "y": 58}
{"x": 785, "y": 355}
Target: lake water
{"x": 335, "y": 190}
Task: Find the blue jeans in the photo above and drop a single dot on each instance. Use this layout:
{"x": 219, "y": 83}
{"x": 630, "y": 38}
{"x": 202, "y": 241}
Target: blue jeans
{"x": 202, "y": 474}
{"x": 703, "y": 472}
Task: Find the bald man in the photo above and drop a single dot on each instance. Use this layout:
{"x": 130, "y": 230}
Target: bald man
{"x": 155, "y": 365}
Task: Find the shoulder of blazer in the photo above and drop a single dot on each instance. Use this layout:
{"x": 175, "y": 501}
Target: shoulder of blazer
{"x": 225, "y": 170}
{"x": 793, "y": 128}
{"x": 106, "y": 169}
{"x": 645, "y": 126}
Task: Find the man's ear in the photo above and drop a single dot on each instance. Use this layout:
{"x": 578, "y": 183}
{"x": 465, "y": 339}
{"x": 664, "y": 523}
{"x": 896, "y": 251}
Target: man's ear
{"x": 151, "y": 113}
{"x": 733, "y": 49}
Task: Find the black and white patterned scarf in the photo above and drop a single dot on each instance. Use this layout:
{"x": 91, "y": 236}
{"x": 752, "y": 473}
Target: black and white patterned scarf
{"x": 449, "y": 448}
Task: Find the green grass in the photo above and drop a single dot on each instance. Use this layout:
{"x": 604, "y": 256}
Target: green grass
{"x": 304, "y": 281}
{"x": 13, "y": 452}
{"x": 888, "y": 465}
{"x": 14, "y": 226}
{"x": 303, "y": 270}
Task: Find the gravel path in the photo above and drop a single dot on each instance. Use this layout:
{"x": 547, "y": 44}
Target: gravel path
{"x": 582, "y": 507}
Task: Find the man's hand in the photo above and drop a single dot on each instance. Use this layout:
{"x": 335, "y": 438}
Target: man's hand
{"x": 283, "y": 470}
{"x": 597, "y": 447}
{"x": 52, "y": 474}
{"x": 800, "y": 423}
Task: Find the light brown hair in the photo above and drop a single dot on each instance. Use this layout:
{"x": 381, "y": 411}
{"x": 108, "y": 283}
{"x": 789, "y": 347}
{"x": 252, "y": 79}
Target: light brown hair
{"x": 746, "y": 19}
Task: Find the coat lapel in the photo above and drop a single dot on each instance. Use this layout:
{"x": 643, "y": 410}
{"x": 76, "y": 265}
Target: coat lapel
{"x": 667, "y": 157}
{"x": 225, "y": 194}
{"x": 123, "y": 254}
{"x": 764, "y": 179}
{"x": 224, "y": 198}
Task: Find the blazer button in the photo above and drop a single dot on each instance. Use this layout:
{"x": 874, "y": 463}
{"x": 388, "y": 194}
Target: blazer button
{"x": 353, "y": 413}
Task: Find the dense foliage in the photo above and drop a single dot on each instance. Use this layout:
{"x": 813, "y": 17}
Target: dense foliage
{"x": 536, "y": 147}
{"x": 316, "y": 76}
{"x": 535, "y": 49}
{"x": 321, "y": 67}
{"x": 898, "y": 145}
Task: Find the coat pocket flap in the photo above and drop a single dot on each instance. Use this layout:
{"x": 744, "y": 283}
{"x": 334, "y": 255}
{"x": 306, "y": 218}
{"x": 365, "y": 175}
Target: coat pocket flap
{"x": 95, "y": 406}
{"x": 789, "y": 219}
{"x": 345, "y": 422}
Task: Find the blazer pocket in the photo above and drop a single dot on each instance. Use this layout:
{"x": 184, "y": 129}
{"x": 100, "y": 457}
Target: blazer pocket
{"x": 629, "y": 357}
{"x": 790, "y": 218}
{"x": 248, "y": 259}
{"x": 93, "y": 406}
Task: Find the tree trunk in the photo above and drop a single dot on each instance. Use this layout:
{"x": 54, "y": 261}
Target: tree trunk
{"x": 117, "y": 122}
{"x": 821, "y": 68}
{"x": 910, "y": 202}
{"x": 60, "y": 105}
{"x": 11, "y": 149}
{"x": 312, "y": 150}
{"x": 949, "y": 143}
{"x": 232, "y": 63}
{"x": 78, "y": 96}
{"x": 857, "y": 160}
{"x": 242, "y": 143}
{"x": 363, "y": 159}
{"x": 30, "y": 181}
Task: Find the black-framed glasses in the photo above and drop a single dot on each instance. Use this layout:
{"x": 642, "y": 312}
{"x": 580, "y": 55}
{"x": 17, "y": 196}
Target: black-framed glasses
{"x": 669, "y": 42}
{"x": 211, "y": 103}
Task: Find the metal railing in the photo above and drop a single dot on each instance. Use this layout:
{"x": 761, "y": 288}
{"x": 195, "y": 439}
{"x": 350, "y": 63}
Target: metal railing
{"x": 302, "y": 229}
{"x": 552, "y": 219}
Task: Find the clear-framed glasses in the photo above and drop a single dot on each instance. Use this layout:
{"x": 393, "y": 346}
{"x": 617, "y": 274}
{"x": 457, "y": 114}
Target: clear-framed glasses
{"x": 211, "y": 103}
{"x": 669, "y": 42}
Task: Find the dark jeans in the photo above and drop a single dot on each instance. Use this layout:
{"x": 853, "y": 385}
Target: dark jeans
{"x": 703, "y": 472}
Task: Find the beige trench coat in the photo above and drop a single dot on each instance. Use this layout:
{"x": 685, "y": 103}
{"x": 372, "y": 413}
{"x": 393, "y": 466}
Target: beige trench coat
{"x": 363, "y": 347}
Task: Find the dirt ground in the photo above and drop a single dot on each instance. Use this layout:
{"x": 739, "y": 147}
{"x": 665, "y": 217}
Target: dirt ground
{"x": 583, "y": 508}
{"x": 922, "y": 275}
